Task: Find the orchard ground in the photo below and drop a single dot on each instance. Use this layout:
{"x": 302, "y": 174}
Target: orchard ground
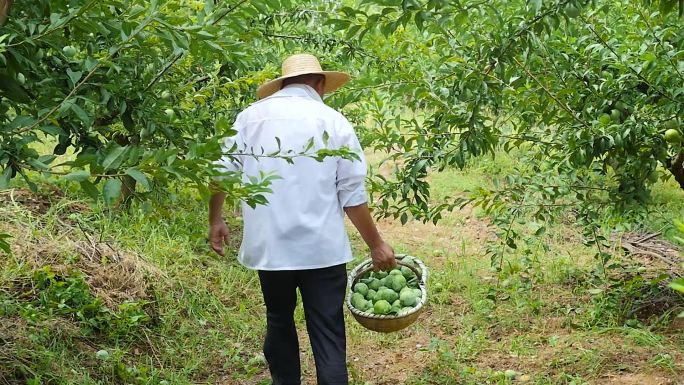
{"x": 205, "y": 318}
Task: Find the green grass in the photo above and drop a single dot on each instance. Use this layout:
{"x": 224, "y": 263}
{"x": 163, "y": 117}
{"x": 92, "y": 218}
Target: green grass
{"x": 200, "y": 318}
{"x": 206, "y": 310}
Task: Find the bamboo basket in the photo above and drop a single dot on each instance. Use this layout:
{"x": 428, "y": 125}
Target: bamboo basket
{"x": 388, "y": 323}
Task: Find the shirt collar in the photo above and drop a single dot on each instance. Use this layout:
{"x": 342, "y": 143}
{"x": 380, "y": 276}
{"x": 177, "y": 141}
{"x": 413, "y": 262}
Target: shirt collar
{"x": 299, "y": 90}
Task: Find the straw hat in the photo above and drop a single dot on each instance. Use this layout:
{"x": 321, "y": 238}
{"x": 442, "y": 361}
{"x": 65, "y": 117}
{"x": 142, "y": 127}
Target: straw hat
{"x": 302, "y": 64}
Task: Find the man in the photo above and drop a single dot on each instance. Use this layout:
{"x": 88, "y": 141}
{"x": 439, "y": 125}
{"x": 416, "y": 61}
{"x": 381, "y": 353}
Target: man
{"x": 299, "y": 240}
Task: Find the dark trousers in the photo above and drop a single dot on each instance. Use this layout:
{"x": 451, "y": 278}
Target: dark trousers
{"x": 323, "y": 292}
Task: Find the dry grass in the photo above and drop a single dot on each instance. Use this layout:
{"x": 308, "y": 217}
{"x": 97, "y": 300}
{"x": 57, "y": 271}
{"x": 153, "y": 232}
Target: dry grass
{"x": 114, "y": 275}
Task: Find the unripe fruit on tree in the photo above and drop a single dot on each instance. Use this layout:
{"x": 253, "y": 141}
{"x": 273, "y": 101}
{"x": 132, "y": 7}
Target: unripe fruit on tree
{"x": 170, "y": 113}
{"x": 69, "y": 51}
{"x": 616, "y": 115}
{"x": 21, "y": 78}
{"x": 165, "y": 95}
{"x": 673, "y": 136}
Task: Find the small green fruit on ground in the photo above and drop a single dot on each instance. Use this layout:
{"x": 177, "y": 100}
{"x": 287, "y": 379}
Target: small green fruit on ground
{"x": 510, "y": 374}
{"x": 673, "y": 136}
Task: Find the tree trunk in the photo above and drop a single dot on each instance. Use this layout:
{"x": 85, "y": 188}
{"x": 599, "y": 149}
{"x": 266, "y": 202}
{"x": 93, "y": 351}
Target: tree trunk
{"x": 127, "y": 191}
{"x": 5, "y": 6}
{"x": 676, "y": 167}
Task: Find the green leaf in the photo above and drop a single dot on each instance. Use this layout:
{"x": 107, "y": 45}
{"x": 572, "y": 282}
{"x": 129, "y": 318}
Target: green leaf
{"x": 37, "y": 164}
{"x": 52, "y": 130}
{"x": 90, "y": 189}
{"x": 111, "y": 191}
{"x": 677, "y": 284}
{"x": 680, "y": 225}
{"x": 74, "y": 76}
{"x": 535, "y": 5}
{"x": 666, "y": 6}
{"x": 12, "y": 90}
{"x": 5, "y": 178}
{"x": 139, "y": 177}
{"x": 115, "y": 157}
{"x": 77, "y": 176}
{"x": 80, "y": 112}
{"x": 4, "y": 245}
{"x": 127, "y": 119}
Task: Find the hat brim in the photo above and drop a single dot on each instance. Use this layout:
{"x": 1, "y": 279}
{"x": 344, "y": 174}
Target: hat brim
{"x": 333, "y": 81}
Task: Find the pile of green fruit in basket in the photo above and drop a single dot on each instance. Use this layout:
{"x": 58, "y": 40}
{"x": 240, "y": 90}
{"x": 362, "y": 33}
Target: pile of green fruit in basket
{"x": 387, "y": 293}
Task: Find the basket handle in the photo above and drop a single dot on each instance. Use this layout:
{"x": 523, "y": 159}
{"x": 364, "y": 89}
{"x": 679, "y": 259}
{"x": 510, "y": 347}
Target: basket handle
{"x": 367, "y": 266}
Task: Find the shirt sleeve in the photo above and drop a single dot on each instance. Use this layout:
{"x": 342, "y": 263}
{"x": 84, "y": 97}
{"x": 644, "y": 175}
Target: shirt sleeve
{"x": 351, "y": 173}
{"x": 230, "y": 144}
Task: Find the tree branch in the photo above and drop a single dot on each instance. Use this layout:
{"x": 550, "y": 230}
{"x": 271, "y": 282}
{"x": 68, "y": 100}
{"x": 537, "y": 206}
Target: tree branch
{"x": 87, "y": 77}
{"x": 73, "y": 17}
{"x": 551, "y": 95}
{"x": 179, "y": 55}
{"x": 612, "y": 50}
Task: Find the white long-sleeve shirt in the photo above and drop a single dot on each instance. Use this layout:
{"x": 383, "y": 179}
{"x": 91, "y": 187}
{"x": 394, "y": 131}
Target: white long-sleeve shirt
{"x": 302, "y": 226}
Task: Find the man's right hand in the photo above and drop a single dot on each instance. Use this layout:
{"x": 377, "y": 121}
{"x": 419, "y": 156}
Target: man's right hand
{"x": 383, "y": 257}
{"x": 218, "y": 235}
